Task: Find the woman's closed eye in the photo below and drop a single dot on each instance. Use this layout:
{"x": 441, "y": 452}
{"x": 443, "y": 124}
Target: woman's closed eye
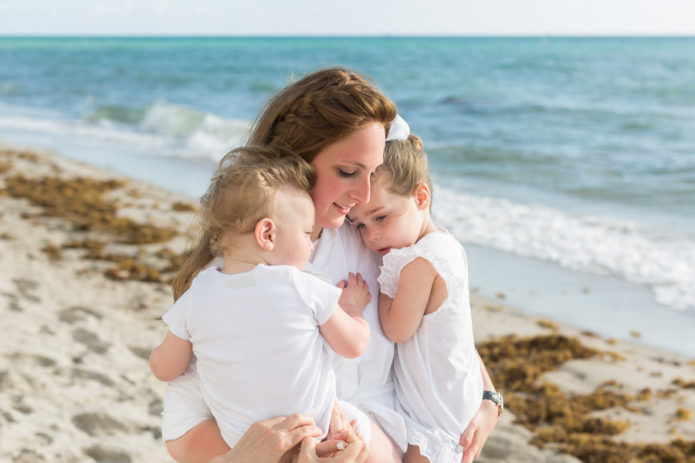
{"x": 347, "y": 173}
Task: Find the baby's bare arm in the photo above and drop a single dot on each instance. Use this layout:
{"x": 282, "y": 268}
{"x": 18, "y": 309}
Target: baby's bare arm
{"x": 346, "y": 331}
{"x": 170, "y": 359}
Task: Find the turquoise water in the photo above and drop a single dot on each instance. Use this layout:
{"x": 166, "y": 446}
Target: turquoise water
{"x": 579, "y": 153}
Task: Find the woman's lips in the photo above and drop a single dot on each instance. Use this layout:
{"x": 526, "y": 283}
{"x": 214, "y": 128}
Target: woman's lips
{"x": 342, "y": 209}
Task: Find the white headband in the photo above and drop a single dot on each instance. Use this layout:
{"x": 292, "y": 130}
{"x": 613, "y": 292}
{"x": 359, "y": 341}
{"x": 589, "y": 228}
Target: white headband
{"x": 399, "y": 129}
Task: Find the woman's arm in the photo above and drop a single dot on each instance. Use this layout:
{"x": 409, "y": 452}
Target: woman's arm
{"x": 170, "y": 359}
{"x": 481, "y": 425}
{"x": 401, "y": 316}
{"x": 346, "y": 331}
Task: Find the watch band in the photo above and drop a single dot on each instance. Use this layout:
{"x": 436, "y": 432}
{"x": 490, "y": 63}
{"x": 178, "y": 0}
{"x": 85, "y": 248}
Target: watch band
{"x": 496, "y": 398}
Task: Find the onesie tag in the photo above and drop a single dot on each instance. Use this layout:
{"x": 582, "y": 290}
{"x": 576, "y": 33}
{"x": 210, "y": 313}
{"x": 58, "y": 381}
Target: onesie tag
{"x": 242, "y": 282}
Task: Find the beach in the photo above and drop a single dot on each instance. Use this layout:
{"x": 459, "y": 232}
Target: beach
{"x": 85, "y": 259}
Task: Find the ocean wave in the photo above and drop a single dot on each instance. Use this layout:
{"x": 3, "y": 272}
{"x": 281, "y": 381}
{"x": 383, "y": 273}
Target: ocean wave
{"x": 662, "y": 260}
{"x": 165, "y": 128}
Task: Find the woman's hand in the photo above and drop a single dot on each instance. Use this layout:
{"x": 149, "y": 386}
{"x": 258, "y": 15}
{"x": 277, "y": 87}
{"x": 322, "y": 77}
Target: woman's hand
{"x": 478, "y": 430}
{"x": 268, "y": 441}
{"x": 353, "y": 450}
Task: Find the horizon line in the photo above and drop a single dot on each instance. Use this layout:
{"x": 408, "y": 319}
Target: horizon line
{"x": 279, "y": 36}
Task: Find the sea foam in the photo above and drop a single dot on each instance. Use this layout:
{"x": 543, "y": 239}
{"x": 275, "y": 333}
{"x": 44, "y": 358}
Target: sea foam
{"x": 660, "y": 259}
{"x": 161, "y": 128}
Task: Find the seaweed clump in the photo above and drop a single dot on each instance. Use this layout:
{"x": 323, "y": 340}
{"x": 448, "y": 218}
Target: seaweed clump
{"x": 563, "y": 421}
{"x": 82, "y": 203}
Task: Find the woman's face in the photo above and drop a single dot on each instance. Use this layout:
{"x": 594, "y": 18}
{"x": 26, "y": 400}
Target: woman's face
{"x": 343, "y": 170}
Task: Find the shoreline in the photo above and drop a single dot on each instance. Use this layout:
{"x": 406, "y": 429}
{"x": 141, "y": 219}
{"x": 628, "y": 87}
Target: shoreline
{"x": 81, "y": 319}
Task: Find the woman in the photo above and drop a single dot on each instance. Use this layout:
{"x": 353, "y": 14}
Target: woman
{"x": 338, "y": 123}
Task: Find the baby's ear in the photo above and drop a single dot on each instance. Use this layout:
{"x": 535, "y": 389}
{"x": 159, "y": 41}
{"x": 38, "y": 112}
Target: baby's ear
{"x": 265, "y": 234}
{"x": 422, "y": 196}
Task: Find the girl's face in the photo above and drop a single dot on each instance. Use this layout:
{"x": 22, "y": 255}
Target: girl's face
{"x": 390, "y": 220}
{"x": 343, "y": 171}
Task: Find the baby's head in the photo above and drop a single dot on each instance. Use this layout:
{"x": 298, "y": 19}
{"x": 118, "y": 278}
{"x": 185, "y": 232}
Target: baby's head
{"x": 398, "y": 212}
{"x": 259, "y": 200}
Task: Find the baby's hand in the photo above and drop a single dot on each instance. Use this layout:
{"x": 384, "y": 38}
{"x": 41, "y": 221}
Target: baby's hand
{"x": 355, "y": 295}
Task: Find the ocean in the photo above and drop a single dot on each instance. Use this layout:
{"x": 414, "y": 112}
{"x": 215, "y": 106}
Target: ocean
{"x": 566, "y": 166}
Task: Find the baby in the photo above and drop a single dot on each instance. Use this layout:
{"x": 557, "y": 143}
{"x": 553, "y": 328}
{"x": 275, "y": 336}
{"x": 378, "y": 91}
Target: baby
{"x": 257, "y": 324}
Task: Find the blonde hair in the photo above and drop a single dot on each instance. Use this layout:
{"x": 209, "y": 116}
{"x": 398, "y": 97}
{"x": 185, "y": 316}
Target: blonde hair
{"x": 405, "y": 165}
{"x": 241, "y": 193}
{"x": 320, "y": 109}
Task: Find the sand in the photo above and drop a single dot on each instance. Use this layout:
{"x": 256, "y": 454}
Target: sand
{"x": 74, "y": 380}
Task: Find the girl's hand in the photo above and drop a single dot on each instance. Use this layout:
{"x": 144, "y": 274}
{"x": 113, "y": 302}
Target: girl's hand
{"x": 355, "y": 296}
{"x": 269, "y": 441}
{"x": 478, "y": 430}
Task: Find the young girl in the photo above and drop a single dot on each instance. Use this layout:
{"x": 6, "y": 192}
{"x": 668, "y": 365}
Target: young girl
{"x": 257, "y": 325}
{"x": 423, "y": 306}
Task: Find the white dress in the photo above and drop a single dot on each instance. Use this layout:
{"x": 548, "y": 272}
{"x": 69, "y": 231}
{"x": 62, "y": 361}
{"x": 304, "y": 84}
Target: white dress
{"x": 256, "y": 339}
{"x": 365, "y": 382}
{"x": 439, "y": 386}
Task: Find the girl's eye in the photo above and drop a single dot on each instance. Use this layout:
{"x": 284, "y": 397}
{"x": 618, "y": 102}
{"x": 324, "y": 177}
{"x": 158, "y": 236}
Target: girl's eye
{"x": 345, "y": 173}
{"x": 359, "y": 226}
{"x": 380, "y": 218}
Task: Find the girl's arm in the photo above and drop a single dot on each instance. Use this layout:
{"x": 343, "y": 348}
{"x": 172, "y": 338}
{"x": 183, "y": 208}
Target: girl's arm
{"x": 170, "y": 359}
{"x": 481, "y": 425}
{"x": 401, "y": 316}
{"x": 346, "y": 331}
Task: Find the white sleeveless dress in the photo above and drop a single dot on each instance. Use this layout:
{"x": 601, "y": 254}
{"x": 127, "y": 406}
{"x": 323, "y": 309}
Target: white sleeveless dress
{"x": 439, "y": 385}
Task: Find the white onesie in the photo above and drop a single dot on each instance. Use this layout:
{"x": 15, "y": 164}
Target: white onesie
{"x": 439, "y": 386}
{"x": 365, "y": 382}
{"x": 258, "y": 348}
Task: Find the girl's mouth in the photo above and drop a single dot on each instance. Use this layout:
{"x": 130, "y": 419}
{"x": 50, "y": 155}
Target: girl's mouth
{"x": 384, "y": 251}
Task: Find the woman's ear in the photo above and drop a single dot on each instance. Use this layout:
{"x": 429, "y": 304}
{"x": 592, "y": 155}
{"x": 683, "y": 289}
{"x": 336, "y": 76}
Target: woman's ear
{"x": 422, "y": 196}
{"x": 264, "y": 233}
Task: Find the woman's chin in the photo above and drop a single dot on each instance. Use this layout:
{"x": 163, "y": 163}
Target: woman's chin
{"x": 333, "y": 222}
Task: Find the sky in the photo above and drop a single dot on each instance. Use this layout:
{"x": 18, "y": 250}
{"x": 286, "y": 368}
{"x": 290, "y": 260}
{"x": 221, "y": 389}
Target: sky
{"x": 347, "y": 17}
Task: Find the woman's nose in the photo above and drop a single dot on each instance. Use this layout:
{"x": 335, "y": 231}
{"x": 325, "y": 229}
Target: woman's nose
{"x": 361, "y": 191}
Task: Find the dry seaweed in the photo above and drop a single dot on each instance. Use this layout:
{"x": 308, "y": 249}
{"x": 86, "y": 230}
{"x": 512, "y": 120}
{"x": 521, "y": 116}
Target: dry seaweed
{"x": 680, "y": 382}
{"x": 81, "y": 202}
{"x": 52, "y": 251}
{"x": 517, "y": 363}
{"x": 563, "y": 421}
{"x": 180, "y": 206}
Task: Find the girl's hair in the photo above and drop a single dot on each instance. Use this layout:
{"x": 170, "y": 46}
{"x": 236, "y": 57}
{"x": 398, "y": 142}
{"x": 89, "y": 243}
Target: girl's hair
{"x": 405, "y": 163}
{"x": 241, "y": 193}
{"x": 320, "y": 109}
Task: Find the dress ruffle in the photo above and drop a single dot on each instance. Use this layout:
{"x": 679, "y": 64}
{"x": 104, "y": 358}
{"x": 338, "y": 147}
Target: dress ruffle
{"x": 396, "y": 259}
{"x": 434, "y": 444}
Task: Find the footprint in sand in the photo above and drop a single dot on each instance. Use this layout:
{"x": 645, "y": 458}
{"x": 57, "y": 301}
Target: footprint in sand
{"x": 90, "y": 340}
{"x": 34, "y": 360}
{"x": 97, "y": 424}
{"x": 77, "y": 313}
{"x": 26, "y": 288}
{"x": 104, "y": 455}
{"x": 79, "y": 374}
